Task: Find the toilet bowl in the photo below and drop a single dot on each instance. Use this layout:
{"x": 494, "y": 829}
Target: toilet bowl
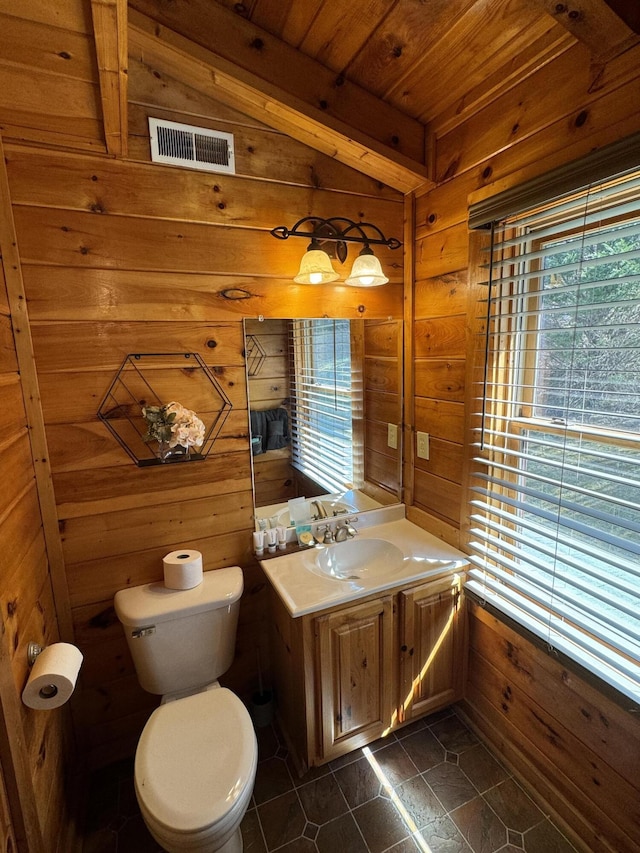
{"x": 194, "y": 771}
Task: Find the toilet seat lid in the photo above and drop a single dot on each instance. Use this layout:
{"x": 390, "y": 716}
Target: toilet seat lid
{"x": 195, "y": 758}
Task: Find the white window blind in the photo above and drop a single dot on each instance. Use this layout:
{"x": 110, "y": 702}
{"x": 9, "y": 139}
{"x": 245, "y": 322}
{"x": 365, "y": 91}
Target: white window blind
{"x": 555, "y": 508}
{"x": 321, "y": 402}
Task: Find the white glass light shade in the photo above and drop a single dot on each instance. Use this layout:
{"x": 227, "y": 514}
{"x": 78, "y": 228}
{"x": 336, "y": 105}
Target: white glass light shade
{"x": 315, "y": 268}
{"x": 366, "y": 271}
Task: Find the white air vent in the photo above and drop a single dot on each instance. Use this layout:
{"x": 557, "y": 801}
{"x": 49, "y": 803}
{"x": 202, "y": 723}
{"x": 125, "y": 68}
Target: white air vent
{"x": 195, "y": 147}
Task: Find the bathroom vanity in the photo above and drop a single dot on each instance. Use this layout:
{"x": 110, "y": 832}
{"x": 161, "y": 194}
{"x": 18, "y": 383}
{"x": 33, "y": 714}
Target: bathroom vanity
{"x": 356, "y": 655}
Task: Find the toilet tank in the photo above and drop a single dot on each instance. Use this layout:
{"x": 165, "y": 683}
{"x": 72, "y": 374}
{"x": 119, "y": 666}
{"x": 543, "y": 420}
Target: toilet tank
{"x": 182, "y": 639}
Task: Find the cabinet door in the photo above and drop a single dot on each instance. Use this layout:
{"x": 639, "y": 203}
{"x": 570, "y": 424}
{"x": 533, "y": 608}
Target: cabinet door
{"x": 431, "y": 654}
{"x": 354, "y": 669}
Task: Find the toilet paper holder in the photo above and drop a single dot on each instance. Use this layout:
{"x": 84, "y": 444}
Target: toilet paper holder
{"x": 53, "y": 675}
{"x": 33, "y": 650}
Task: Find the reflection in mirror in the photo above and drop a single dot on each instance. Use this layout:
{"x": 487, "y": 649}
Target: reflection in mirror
{"x": 325, "y": 402}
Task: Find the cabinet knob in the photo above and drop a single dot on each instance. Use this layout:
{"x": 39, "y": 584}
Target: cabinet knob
{"x": 403, "y": 648}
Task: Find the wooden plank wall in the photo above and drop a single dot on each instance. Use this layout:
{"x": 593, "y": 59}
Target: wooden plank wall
{"x": 382, "y": 351}
{"x": 127, "y": 256}
{"x": 551, "y": 725}
{"x": 273, "y": 476}
{"x": 561, "y": 111}
{"x": 49, "y": 93}
{"x": 36, "y": 747}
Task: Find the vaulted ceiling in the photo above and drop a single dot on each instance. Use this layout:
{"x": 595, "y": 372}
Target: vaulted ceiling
{"x": 431, "y": 59}
{"x": 374, "y": 83}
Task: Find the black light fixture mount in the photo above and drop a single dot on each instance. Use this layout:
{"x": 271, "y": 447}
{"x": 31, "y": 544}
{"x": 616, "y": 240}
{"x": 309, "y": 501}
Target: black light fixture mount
{"x": 329, "y": 238}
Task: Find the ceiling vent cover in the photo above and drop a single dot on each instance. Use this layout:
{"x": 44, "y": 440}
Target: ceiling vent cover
{"x": 195, "y": 147}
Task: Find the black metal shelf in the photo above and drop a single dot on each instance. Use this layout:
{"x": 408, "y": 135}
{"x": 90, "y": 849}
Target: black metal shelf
{"x": 156, "y": 379}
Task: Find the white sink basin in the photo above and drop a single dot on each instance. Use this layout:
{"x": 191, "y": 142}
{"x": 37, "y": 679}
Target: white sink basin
{"x": 358, "y": 560}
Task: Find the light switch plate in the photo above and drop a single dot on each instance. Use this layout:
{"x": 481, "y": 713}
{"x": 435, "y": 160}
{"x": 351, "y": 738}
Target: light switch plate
{"x": 422, "y": 445}
{"x": 392, "y": 436}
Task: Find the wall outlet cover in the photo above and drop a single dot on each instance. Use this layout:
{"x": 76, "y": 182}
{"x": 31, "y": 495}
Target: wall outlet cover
{"x": 392, "y": 436}
{"x": 422, "y": 443}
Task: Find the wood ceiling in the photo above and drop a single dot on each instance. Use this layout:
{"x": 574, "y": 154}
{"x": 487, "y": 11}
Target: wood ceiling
{"x": 434, "y": 59}
{"x": 423, "y": 58}
{"x": 374, "y": 83}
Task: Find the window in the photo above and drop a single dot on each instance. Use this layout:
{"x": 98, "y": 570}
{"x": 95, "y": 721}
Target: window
{"x": 555, "y": 508}
{"x": 321, "y": 404}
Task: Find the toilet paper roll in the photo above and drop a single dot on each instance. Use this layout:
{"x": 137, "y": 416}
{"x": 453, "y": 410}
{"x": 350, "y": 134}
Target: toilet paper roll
{"x": 53, "y": 677}
{"x": 182, "y": 569}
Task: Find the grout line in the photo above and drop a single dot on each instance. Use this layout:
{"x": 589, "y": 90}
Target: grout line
{"x": 264, "y": 840}
{"x": 349, "y": 809}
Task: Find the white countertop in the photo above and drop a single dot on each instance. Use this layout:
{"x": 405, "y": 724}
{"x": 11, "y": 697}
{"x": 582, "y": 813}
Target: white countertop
{"x": 303, "y": 590}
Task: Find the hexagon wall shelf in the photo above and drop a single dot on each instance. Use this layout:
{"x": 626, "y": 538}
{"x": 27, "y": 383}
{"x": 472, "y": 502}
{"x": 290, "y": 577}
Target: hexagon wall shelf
{"x": 156, "y": 379}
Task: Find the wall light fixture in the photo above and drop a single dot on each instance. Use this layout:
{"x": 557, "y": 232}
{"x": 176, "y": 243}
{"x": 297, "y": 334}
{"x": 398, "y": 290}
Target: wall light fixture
{"x": 329, "y": 238}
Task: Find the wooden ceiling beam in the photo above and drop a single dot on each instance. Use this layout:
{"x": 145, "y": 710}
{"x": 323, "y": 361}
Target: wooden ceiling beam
{"x": 283, "y": 101}
{"x": 110, "y": 35}
{"x": 604, "y": 26}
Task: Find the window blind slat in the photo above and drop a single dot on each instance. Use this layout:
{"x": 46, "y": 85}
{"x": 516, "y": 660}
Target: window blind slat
{"x": 492, "y": 516}
{"x": 544, "y": 570}
{"x": 577, "y": 216}
{"x": 560, "y": 484}
{"x": 521, "y": 276}
{"x": 580, "y": 525}
{"x": 563, "y": 466}
{"x": 502, "y": 300}
{"x": 568, "y": 603}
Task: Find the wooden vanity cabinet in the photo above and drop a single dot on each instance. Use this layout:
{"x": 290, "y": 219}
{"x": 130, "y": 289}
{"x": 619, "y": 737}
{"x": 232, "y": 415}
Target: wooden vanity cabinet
{"x": 353, "y": 675}
{"x": 431, "y": 650}
{"x": 345, "y": 676}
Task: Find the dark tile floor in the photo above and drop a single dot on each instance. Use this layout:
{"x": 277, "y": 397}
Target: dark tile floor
{"x": 431, "y": 787}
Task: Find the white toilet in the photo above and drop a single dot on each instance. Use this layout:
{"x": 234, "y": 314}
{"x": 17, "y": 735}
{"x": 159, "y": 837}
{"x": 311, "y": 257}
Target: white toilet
{"x": 196, "y": 759}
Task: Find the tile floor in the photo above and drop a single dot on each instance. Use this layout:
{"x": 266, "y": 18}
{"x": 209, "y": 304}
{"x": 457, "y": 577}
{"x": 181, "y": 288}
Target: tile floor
{"x": 431, "y": 787}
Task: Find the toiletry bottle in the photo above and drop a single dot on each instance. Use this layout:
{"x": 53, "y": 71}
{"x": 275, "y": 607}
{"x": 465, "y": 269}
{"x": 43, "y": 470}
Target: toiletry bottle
{"x": 258, "y": 543}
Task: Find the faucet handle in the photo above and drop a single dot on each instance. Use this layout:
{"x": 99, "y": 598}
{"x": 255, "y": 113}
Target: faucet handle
{"x": 351, "y": 530}
{"x": 345, "y": 530}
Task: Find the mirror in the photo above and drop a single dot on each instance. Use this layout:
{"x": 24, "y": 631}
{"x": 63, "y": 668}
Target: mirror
{"x": 325, "y": 404}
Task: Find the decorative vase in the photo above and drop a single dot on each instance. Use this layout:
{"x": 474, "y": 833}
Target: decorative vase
{"x": 166, "y": 453}
{"x": 164, "y": 450}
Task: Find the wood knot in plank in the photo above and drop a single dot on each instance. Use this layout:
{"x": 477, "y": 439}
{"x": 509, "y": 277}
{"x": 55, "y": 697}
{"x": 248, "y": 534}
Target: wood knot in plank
{"x": 235, "y": 293}
{"x": 581, "y": 118}
{"x": 105, "y": 619}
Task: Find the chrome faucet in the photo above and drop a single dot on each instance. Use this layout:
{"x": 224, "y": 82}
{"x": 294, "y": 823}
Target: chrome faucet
{"x": 346, "y": 530}
{"x": 321, "y": 511}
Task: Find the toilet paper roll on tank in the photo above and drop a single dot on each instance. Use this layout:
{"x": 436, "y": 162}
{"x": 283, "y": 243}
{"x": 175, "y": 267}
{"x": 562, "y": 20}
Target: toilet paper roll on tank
{"x": 53, "y": 677}
{"x": 182, "y": 569}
